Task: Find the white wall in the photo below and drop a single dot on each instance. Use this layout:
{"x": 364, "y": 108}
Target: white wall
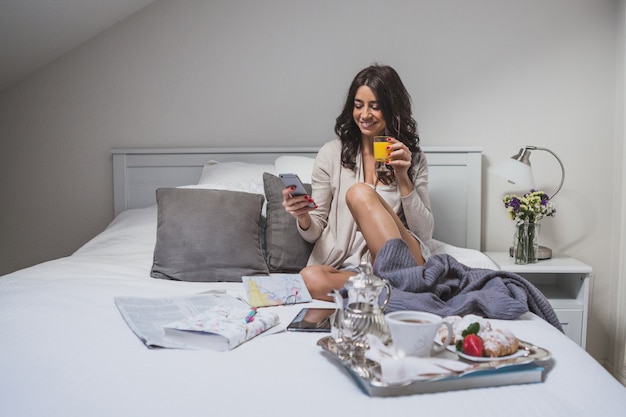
{"x": 498, "y": 74}
{"x": 617, "y": 320}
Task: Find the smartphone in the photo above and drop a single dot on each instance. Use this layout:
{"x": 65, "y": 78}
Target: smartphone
{"x": 312, "y": 320}
{"x": 293, "y": 180}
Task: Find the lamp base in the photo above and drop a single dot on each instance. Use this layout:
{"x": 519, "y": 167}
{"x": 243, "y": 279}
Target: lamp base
{"x": 544, "y": 253}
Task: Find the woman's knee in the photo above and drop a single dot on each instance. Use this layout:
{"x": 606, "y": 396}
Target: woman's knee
{"x": 313, "y": 276}
{"x": 322, "y": 279}
{"x": 360, "y": 194}
{"x": 308, "y": 273}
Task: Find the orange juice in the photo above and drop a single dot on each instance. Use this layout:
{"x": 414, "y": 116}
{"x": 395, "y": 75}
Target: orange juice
{"x": 380, "y": 149}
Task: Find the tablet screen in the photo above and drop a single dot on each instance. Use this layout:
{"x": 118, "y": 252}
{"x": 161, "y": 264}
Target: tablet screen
{"x": 312, "y": 320}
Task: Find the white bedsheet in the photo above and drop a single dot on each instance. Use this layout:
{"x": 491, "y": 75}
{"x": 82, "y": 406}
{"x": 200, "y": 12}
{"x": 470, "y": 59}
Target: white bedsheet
{"x": 66, "y": 351}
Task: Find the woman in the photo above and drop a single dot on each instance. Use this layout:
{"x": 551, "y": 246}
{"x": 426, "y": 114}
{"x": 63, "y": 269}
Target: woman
{"x": 358, "y": 209}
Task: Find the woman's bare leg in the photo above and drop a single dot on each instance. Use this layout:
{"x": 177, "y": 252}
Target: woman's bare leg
{"x": 378, "y": 222}
{"x": 322, "y": 279}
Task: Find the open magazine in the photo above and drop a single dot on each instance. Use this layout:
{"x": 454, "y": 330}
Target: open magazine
{"x": 275, "y": 290}
{"x": 200, "y": 321}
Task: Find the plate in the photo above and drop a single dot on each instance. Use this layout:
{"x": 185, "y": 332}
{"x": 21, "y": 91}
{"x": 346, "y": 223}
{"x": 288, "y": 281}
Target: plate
{"x": 520, "y": 353}
{"x": 525, "y": 349}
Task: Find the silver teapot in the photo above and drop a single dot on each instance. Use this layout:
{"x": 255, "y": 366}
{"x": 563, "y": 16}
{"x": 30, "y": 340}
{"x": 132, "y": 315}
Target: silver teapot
{"x": 363, "y": 313}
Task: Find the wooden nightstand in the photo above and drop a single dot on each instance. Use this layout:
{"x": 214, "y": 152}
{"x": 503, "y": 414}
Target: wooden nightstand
{"x": 565, "y": 283}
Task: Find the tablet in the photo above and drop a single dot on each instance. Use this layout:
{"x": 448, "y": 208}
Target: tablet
{"x": 312, "y": 320}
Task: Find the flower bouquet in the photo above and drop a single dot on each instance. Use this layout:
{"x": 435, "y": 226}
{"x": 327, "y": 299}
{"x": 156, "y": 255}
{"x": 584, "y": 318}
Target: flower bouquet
{"x": 526, "y": 211}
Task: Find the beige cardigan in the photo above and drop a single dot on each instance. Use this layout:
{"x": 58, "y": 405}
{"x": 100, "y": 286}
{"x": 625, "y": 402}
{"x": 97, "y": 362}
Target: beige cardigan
{"x": 335, "y": 234}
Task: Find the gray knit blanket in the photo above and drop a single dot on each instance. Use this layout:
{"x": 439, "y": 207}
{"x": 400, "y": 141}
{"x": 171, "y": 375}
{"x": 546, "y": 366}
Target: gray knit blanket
{"x": 446, "y": 287}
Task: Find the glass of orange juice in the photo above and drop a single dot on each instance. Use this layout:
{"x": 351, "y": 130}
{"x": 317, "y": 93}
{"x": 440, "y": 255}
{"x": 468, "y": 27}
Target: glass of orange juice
{"x": 381, "y": 153}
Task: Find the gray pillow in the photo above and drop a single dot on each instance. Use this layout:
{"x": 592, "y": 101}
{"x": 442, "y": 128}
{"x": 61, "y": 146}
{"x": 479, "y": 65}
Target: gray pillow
{"x": 285, "y": 249}
{"x": 208, "y": 235}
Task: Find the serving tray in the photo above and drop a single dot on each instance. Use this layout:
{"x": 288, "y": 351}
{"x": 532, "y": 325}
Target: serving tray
{"x": 524, "y": 369}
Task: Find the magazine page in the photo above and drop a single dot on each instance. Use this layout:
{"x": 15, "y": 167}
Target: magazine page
{"x": 276, "y": 289}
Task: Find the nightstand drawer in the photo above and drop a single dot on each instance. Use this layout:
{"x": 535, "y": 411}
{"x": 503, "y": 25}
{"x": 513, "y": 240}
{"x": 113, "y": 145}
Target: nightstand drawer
{"x": 572, "y": 323}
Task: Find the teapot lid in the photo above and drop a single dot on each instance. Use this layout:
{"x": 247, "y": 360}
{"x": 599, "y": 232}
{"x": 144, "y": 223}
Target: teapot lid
{"x": 365, "y": 278}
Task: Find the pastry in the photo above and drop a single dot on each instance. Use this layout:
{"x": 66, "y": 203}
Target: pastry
{"x": 499, "y": 342}
{"x": 461, "y": 323}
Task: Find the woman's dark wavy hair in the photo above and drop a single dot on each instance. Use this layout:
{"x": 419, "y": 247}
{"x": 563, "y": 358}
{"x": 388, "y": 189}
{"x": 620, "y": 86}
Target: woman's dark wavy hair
{"x": 395, "y": 103}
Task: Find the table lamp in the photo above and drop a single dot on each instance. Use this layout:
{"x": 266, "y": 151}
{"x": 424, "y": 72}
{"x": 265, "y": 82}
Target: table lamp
{"x": 517, "y": 170}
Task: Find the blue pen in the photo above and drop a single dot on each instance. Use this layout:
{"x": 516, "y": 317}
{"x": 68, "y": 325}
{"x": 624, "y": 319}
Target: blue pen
{"x": 250, "y": 315}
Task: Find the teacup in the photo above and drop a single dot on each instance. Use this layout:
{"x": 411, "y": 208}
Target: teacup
{"x": 413, "y": 333}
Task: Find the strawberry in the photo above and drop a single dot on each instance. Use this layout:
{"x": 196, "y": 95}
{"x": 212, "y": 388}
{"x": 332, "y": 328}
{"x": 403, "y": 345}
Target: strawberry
{"x": 473, "y": 345}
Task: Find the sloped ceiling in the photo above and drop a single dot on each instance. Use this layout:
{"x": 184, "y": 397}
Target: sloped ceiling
{"x": 34, "y": 33}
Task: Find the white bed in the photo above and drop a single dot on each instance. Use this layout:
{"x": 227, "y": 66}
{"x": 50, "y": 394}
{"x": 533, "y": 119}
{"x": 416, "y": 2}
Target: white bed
{"x": 66, "y": 351}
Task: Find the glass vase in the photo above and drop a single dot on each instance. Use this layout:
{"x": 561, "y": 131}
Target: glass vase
{"x": 526, "y": 243}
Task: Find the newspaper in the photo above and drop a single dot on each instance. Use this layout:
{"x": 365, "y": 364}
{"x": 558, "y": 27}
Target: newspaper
{"x": 148, "y": 318}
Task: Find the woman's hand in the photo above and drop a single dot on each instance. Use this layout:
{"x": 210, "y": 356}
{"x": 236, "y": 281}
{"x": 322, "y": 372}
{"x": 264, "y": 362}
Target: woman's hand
{"x": 298, "y": 206}
{"x": 400, "y": 156}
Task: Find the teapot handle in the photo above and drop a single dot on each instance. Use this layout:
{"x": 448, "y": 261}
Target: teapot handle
{"x": 388, "y": 296}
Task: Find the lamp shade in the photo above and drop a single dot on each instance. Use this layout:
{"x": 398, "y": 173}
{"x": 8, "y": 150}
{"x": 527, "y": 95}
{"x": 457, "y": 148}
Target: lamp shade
{"x": 515, "y": 172}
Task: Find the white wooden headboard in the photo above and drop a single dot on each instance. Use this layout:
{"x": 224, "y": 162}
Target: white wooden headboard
{"x": 454, "y": 180}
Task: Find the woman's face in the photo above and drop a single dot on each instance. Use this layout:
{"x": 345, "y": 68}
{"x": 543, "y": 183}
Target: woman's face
{"x": 367, "y": 114}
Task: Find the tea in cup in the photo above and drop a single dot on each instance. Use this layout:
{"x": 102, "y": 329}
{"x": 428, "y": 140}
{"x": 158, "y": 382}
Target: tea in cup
{"x": 413, "y": 333}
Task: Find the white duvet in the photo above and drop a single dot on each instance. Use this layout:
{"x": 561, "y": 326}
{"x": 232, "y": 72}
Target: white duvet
{"x": 66, "y": 351}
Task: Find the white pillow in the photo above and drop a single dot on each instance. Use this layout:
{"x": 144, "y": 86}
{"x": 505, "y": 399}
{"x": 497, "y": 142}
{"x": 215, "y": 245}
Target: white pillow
{"x": 301, "y": 165}
{"x": 245, "y": 186}
{"x": 227, "y": 173}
